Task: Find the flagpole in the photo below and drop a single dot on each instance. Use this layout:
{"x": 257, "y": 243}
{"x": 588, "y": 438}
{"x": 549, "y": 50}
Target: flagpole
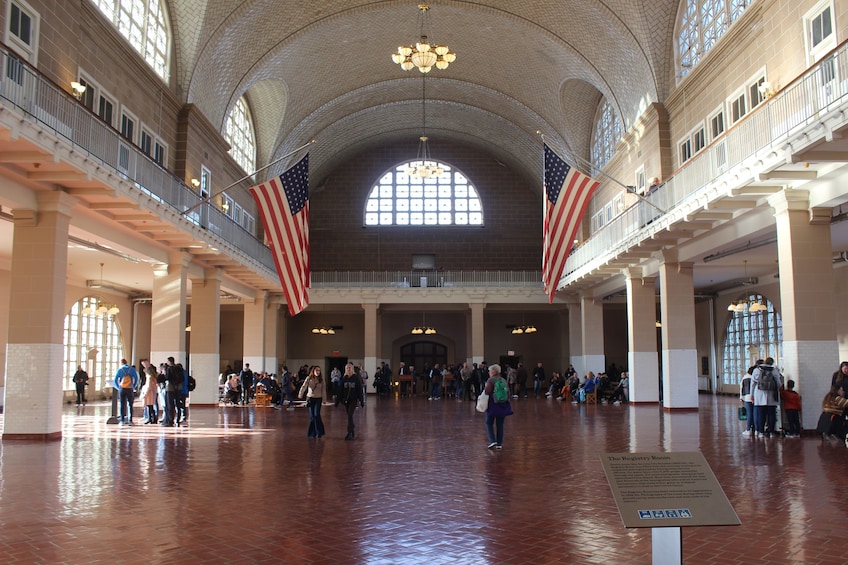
{"x": 629, "y": 188}
{"x": 244, "y": 178}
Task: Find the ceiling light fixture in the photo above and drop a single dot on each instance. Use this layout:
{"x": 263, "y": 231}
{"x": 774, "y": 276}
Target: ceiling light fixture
{"x": 423, "y": 55}
{"x": 325, "y": 330}
{"x": 102, "y": 308}
{"x": 424, "y": 167}
{"x": 423, "y": 329}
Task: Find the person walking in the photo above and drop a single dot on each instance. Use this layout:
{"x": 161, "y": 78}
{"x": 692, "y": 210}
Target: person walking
{"x": 538, "y": 379}
{"x": 125, "y": 382}
{"x": 350, "y": 394}
{"x": 745, "y": 390}
{"x": 499, "y": 406}
{"x": 313, "y": 390}
{"x": 81, "y": 381}
{"x": 246, "y": 383}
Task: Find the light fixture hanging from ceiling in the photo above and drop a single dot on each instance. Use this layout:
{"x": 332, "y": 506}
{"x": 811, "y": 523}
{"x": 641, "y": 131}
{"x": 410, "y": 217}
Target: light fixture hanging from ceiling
{"x": 325, "y": 330}
{"x": 423, "y": 55}
{"x": 423, "y": 329}
{"x": 523, "y": 328}
{"x": 424, "y": 167}
{"x": 102, "y": 307}
{"x": 748, "y": 304}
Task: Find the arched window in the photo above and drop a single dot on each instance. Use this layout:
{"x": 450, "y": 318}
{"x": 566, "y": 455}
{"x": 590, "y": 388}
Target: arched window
{"x": 402, "y": 199}
{"x": 701, "y": 24}
{"x": 93, "y": 341}
{"x": 750, "y": 336}
{"x": 605, "y": 135}
{"x": 144, "y": 24}
{"x": 240, "y": 136}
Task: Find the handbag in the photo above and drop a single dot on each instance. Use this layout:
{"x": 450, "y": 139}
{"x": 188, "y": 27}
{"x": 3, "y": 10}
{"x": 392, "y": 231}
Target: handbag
{"x": 743, "y": 413}
{"x": 482, "y": 402}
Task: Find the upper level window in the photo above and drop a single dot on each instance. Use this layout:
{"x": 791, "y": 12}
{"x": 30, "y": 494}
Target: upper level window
{"x": 749, "y": 336}
{"x": 401, "y": 199}
{"x": 240, "y": 136}
{"x": 606, "y": 133}
{"x": 820, "y": 32}
{"x": 701, "y": 24}
{"x": 144, "y": 24}
{"x": 22, "y": 29}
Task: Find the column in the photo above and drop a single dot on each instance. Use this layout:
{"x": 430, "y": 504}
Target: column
{"x": 205, "y": 336}
{"x": 272, "y": 324}
{"x": 168, "y": 314}
{"x": 642, "y": 361}
{"x": 592, "y": 327}
{"x": 371, "y": 340}
{"x": 35, "y": 352}
{"x": 575, "y": 339}
{"x": 807, "y": 303}
{"x": 679, "y": 354}
{"x": 478, "y": 350}
{"x": 253, "y": 349}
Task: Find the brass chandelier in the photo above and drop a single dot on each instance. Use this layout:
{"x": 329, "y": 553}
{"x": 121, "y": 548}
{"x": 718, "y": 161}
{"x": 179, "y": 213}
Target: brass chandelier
{"x": 423, "y": 55}
{"x": 424, "y": 167}
{"x": 102, "y": 307}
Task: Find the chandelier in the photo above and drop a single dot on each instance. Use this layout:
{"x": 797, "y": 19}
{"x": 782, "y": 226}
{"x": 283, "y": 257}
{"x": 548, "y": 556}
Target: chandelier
{"x": 518, "y": 330}
{"x": 324, "y": 330}
{"x": 423, "y": 329}
{"x": 424, "y": 167}
{"x": 423, "y": 55}
{"x": 102, "y": 307}
{"x": 749, "y": 305}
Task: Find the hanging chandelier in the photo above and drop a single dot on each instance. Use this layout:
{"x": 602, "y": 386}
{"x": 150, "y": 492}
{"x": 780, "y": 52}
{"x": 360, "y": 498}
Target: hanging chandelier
{"x": 423, "y": 55}
{"x": 745, "y": 305}
{"x": 518, "y": 330}
{"x": 423, "y": 329}
{"x": 424, "y": 167}
{"x": 102, "y": 307}
{"x": 324, "y": 330}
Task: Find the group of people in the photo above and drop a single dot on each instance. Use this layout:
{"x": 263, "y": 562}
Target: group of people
{"x": 607, "y": 390}
{"x": 164, "y": 392}
{"x": 762, "y": 391}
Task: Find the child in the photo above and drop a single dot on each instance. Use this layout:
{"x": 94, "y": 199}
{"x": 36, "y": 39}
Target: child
{"x": 792, "y": 407}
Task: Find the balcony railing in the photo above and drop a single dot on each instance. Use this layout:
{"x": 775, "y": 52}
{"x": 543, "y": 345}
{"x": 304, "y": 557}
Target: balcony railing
{"x": 427, "y": 279}
{"x": 818, "y": 92}
{"x": 24, "y": 88}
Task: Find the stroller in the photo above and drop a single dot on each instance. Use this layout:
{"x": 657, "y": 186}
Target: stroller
{"x": 832, "y": 422}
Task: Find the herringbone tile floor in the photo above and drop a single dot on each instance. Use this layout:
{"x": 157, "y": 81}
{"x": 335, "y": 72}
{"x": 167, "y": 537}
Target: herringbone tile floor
{"x": 245, "y": 485}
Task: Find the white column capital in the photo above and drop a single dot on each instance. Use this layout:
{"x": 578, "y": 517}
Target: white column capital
{"x": 789, "y": 200}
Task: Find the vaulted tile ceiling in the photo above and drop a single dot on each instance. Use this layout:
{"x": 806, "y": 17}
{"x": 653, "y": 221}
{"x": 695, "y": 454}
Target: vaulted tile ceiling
{"x": 322, "y": 70}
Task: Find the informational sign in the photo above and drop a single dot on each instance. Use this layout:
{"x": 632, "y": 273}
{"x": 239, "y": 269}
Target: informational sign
{"x": 662, "y": 490}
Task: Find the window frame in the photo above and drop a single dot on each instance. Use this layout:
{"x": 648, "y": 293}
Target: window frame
{"x": 640, "y": 180}
{"x": 711, "y": 123}
{"x": 156, "y": 146}
{"x": 28, "y": 51}
{"x": 828, "y": 43}
{"x": 147, "y": 44}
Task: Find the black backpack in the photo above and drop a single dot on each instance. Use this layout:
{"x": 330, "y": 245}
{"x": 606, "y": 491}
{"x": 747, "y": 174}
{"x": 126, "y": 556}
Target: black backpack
{"x": 191, "y": 383}
{"x": 767, "y": 380}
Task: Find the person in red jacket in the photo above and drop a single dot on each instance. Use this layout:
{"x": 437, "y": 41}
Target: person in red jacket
{"x": 792, "y": 406}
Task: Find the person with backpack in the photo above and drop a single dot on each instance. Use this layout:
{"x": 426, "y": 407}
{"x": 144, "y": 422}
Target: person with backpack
{"x": 126, "y": 380}
{"x": 350, "y": 393}
{"x": 499, "y": 406}
{"x": 766, "y": 381}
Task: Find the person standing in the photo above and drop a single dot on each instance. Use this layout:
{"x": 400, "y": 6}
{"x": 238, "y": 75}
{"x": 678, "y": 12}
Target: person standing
{"x": 521, "y": 380}
{"x": 766, "y": 382}
{"x": 125, "y": 382}
{"x": 350, "y": 394}
{"x": 81, "y": 381}
{"x": 538, "y": 379}
{"x": 150, "y": 387}
{"x": 499, "y": 406}
{"x": 173, "y": 384}
{"x": 435, "y": 383}
{"x": 745, "y": 389}
{"x": 792, "y": 407}
{"x": 313, "y": 390}
{"x": 246, "y": 383}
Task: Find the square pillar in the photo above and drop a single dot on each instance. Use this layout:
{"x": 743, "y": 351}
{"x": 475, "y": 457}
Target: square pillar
{"x": 679, "y": 352}
{"x": 642, "y": 360}
{"x": 205, "y": 336}
{"x": 592, "y": 328}
{"x": 168, "y": 314}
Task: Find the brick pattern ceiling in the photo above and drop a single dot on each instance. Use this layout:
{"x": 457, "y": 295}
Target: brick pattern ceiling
{"x": 322, "y": 70}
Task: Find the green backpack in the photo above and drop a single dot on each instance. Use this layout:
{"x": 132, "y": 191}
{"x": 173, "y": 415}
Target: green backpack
{"x": 501, "y": 393}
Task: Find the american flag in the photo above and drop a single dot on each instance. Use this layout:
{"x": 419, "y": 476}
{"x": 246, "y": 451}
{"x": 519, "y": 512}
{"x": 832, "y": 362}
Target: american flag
{"x": 284, "y": 208}
{"x": 567, "y": 194}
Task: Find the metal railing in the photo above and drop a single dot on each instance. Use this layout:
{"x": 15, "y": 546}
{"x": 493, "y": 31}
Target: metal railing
{"x": 426, "y": 279}
{"x": 25, "y": 89}
{"x": 818, "y": 92}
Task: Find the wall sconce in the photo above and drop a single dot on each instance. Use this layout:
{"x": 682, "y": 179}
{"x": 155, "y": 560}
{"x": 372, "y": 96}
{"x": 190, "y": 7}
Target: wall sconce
{"x": 78, "y": 89}
{"x": 188, "y": 328}
{"x": 195, "y": 183}
{"x": 658, "y": 324}
{"x": 766, "y": 90}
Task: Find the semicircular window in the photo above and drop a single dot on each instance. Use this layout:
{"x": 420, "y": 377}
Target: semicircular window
{"x": 402, "y": 198}
{"x": 754, "y": 331}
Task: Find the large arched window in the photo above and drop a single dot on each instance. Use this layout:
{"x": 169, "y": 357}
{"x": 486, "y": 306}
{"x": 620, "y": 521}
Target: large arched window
{"x": 240, "y": 136}
{"x": 701, "y": 24}
{"x": 750, "y": 336}
{"x": 402, "y": 199}
{"x": 93, "y": 341}
{"x": 605, "y": 135}
{"x": 144, "y": 24}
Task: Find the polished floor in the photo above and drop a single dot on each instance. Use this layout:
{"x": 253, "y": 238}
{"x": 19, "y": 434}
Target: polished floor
{"x": 245, "y": 485}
